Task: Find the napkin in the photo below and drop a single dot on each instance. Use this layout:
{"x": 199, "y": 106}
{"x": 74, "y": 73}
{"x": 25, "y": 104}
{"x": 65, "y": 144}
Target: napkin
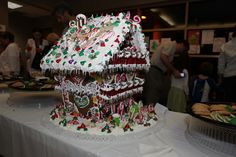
{"x": 156, "y": 151}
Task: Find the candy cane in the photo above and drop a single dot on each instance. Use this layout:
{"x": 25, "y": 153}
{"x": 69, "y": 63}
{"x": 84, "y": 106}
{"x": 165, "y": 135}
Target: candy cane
{"x": 127, "y": 16}
{"x": 137, "y": 19}
{"x": 122, "y": 109}
{"x": 81, "y": 18}
{"x": 111, "y": 109}
{"x": 130, "y": 102}
{"x": 73, "y": 23}
{"x": 114, "y": 108}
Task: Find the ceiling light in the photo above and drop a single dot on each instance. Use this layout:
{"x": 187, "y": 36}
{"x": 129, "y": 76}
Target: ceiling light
{"x": 154, "y": 10}
{"x": 167, "y": 19}
{"x": 12, "y": 5}
{"x": 143, "y": 17}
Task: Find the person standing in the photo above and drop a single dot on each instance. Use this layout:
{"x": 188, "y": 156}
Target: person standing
{"x": 64, "y": 15}
{"x": 157, "y": 83}
{"x": 178, "y": 94}
{"x": 34, "y": 49}
{"x": 227, "y": 68}
{"x": 203, "y": 87}
{"x": 10, "y": 56}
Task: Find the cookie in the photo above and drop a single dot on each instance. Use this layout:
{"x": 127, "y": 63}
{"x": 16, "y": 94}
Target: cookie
{"x": 222, "y": 112}
{"x": 219, "y": 107}
{"x": 202, "y": 113}
{"x": 200, "y": 107}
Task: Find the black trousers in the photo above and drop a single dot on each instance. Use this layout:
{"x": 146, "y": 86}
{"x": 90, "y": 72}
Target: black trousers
{"x": 229, "y": 85}
{"x": 156, "y": 87}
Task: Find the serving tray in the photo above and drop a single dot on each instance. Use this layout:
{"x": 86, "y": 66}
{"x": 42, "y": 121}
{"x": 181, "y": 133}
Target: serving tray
{"x": 212, "y": 121}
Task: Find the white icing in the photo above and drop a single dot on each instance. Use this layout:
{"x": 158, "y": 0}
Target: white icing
{"x": 104, "y": 28}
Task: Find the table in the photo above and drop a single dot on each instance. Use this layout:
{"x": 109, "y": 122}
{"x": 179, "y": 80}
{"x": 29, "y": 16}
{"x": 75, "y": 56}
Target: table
{"x": 23, "y": 135}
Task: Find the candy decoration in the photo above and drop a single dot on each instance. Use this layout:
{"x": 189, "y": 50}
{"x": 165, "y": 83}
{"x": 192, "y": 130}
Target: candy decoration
{"x": 109, "y": 53}
{"x": 71, "y": 61}
{"x": 58, "y": 60}
{"x": 63, "y": 122}
{"x": 82, "y": 62}
{"x": 77, "y": 48}
{"x": 81, "y": 20}
{"x": 53, "y": 53}
{"x": 65, "y": 51}
{"x": 127, "y": 16}
{"x": 102, "y": 44}
{"x": 72, "y": 30}
{"x": 93, "y": 55}
{"x": 82, "y": 126}
{"x": 127, "y": 127}
{"x": 58, "y": 55}
{"x": 74, "y": 114}
{"x": 116, "y": 24}
{"x": 73, "y": 23}
{"x": 147, "y": 124}
{"x": 137, "y": 19}
{"x": 81, "y": 53}
{"x": 91, "y": 26}
{"x": 106, "y": 127}
{"x": 122, "y": 109}
{"x": 117, "y": 40}
{"x": 81, "y": 102}
{"x": 73, "y": 55}
{"x": 116, "y": 119}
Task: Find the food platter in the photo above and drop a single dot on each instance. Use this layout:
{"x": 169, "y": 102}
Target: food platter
{"x": 33, "y": 85}
{"x": 221, "y": 114}
{"x": 8, "y": 78}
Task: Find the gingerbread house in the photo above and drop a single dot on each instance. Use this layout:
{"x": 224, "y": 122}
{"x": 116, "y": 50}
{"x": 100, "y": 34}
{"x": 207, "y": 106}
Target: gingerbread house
{"x": 97, "y": 64}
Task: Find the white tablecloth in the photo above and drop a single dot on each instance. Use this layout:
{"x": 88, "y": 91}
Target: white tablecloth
{"x": 22, "y": 134}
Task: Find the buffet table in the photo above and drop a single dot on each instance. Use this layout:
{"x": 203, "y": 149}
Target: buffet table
{"x": 23, "y": 134}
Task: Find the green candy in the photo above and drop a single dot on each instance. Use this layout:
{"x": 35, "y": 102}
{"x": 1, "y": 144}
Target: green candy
{"x": 65, "y": 52}
{"x": 91, "y": 26}
{"x": 116, "y": 24}
{"x": 73, "y": 30}
{"x": 81, "y": 53}
{"x": 82, "y": 62}
{"x": 109, "y": 53}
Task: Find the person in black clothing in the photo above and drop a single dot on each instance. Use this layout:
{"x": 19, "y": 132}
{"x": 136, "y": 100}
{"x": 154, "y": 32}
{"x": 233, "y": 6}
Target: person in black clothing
{"x": 63, "y": 14}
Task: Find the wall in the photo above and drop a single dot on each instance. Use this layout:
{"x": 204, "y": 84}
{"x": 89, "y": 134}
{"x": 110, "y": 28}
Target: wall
{"x": 49, "y": 24}
{"x": 3, "y": 13}
{"x": 21, "y": 27}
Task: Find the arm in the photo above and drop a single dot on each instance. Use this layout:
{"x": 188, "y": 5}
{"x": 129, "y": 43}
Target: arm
{"x": 170, "y": 67}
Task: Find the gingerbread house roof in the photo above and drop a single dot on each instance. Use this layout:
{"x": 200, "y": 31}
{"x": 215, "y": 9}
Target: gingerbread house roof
{"x": 90, "y": 44}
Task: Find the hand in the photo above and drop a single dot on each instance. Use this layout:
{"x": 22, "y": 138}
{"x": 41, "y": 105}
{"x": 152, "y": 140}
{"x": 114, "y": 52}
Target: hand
{"x": 176, "y": 74}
